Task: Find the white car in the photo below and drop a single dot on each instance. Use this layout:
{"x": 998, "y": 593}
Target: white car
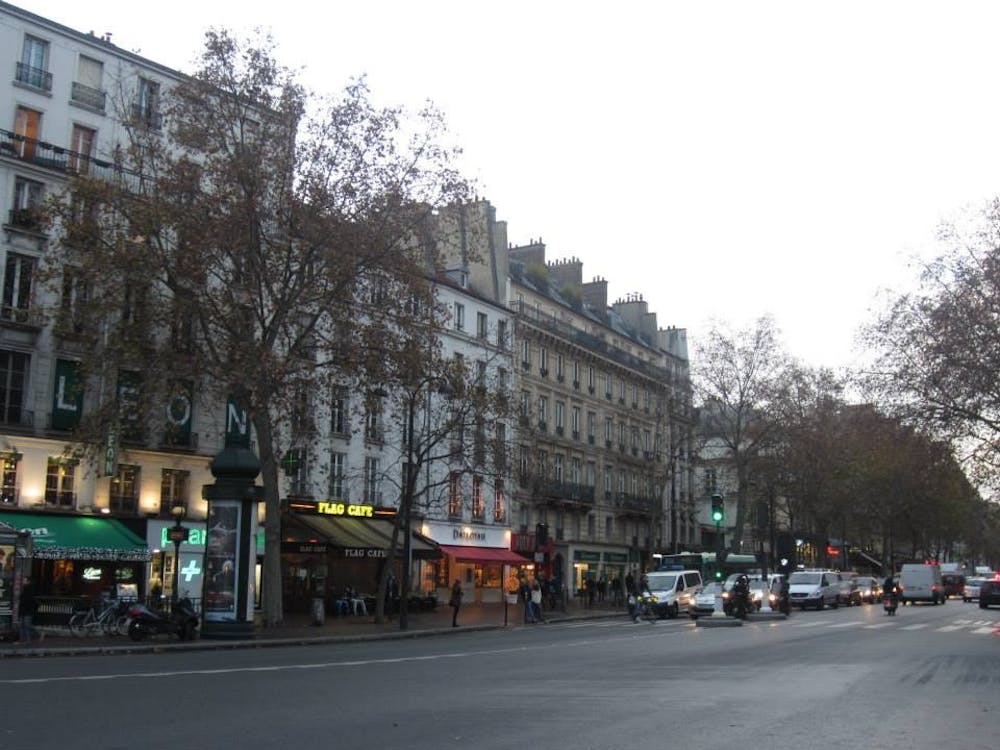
{"x": 707, "y": 601}
{"x": 970, "y": 591}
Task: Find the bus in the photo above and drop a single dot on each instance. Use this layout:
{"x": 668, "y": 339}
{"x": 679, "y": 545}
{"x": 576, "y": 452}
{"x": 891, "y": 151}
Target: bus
{"x": 707, "y": 564}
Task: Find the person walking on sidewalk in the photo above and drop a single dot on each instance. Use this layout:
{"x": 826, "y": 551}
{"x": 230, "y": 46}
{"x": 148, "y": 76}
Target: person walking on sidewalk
{"x": 455, "y": 602}
{"x": 536, "y": 601}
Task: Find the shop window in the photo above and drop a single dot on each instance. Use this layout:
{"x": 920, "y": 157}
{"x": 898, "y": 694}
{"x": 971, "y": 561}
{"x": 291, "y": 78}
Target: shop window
{"x": 59, "y": 478}
{"x": 124, "y": 493}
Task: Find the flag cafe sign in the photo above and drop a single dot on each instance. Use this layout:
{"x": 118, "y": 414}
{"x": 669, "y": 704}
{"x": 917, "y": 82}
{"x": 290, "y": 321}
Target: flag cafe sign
{"x": 337, "y": 508}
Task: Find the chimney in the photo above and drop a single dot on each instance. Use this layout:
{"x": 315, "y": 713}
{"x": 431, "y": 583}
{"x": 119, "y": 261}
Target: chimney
{"x": 595, "y": 295}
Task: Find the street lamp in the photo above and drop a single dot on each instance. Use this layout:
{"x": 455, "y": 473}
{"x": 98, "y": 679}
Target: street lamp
{"x": 177, "y": 534}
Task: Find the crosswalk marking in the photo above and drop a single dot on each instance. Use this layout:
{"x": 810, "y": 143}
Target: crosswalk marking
{"x": 879, "y": 625}
{"x": 846, "y": 624}
{"x": 983, "y": 631}
{"x": 918, "y": 626}
{"x": 949, "y": 628}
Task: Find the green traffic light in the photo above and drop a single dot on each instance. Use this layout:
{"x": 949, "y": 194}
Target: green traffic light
{"x": 717, "y": 515}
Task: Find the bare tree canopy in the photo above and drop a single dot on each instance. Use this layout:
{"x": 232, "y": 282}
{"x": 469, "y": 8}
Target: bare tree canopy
{"x": 736, "y": 375}
{"x": 938, "y": 348}
{"x": 272, "y": 243}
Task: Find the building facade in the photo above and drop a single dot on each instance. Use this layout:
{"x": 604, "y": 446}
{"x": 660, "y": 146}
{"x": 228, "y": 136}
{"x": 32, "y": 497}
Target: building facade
{"x": 603, "y": 462}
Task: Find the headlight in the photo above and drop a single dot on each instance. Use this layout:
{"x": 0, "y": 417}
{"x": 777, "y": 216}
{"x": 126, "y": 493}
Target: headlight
{"x": 817, "y": 592}
{"x": 772, "y": 598}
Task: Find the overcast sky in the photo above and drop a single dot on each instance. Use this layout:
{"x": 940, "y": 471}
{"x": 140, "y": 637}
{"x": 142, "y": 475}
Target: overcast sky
{"x": 724, "y": 160}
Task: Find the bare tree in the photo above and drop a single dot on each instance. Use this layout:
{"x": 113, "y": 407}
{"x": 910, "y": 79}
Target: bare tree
{"x": 735, "y": 374}
{"x": 265, "y": 248}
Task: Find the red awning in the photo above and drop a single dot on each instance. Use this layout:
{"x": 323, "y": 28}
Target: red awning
{"x": 483, "y": 554}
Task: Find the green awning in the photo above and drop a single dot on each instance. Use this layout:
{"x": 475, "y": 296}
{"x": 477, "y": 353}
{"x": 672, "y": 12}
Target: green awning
{"x": 78, "y": 537}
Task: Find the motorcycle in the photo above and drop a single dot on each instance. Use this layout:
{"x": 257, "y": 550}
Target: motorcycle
{"x": 890, "y": 602}
{"x": 181, "y": 620}
{"x": 740, "y": 603}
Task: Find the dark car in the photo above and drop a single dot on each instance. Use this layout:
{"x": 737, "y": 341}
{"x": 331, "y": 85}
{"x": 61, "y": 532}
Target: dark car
{"x": 849, "y": 594}
{"x": 989, "y": 593}
{"x": 954, "y": 584}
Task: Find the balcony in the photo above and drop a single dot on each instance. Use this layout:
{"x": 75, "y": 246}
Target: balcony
{"x": 88, "y": 97}
{"x": 569, "y": 491}
{"x": 633, "y": 504}
{"x": 59, "y": 159}
{"x": 37, "y": 78}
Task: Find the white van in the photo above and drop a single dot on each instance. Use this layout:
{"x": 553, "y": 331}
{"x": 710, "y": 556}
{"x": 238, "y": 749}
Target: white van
{"x": 672, "y": 591}
{"x": 921, "y": 583}
{"x": 814, "y": 588}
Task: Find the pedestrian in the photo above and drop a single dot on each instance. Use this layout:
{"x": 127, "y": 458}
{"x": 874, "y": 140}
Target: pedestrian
{"x": 455, "y": 602}
{"x": 536, "y": 602}
{"x": 629, "y": 583}
{"x": 525, "y": 593}
{"x": 26, "y": 611}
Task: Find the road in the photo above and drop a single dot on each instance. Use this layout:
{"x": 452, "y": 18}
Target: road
{"x": 926, "y": 678}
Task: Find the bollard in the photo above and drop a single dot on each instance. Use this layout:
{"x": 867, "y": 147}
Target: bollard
{"x": 318, "y": 611}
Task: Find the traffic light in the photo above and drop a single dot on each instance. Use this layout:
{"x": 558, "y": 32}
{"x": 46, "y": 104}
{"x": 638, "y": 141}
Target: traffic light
{"x": 718, "y": 509}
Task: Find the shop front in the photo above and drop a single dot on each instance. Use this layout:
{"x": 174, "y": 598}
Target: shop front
{"x": 79, "y": 557}
{"x": 602, "y": 570}
{"x": 328, "y": 549}
{"x": 162, "y": 563}
{"x": 480, "y": 557}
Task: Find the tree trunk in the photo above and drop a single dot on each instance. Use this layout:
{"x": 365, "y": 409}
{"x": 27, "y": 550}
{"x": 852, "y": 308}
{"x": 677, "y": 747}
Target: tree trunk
{"x": 272, "y": 594}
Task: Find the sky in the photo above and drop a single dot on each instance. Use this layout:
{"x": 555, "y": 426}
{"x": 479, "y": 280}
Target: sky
{"x": 723, "y": 160}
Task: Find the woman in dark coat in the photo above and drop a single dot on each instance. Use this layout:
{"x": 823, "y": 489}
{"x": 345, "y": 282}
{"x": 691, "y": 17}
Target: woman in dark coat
{"x": 455, "y": 602}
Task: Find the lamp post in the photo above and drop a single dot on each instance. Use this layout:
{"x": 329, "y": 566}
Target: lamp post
{"x": 177, "y": 534}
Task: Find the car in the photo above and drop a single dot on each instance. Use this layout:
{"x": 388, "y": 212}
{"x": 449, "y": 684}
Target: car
{"x": 814, "y": 588}
{"x": 849, "y": 595}
{"x": 954, "y": 584}
{"x": 921, "y": 582}
{"x": 671, "y": 591}
{"x": 989, "y": 593}
{"x": 870, "y": 589}
{"x": 707, "y": 600}
{"x": 971, "y": 589}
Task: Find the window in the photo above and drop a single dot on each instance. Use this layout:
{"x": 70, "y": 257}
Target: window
{"x": 522, "y": 464}
{"x": 459, "y": 317}
{"x": 525, "y": 404}
{"x": 591, "y": 524}
{"x": 338, "y": 411}
{"x": 609, "y": 430}
{"x": 501, "y": 334}
{"x": 591, "y": 379}
{"x": 499, "y": 502}
{"x": 560, "y": 371}
{"x": 590, "y": 478}
{"x": 296, "y": 466}
{"x": 373, "y": 419}
{"x": 543, "y": 361}
{"x": 173, "y": 489}
{"x": 481, "y": 325}
{"x": 13, "y": 383}
{"x": 371, "y": 482}
{"x": 560, "y": 416}
{"x": 75, "y": 293}
{"x": 543, "y": 412}
{"x": 525, "y": 354}
{"x": 27, "y": 197}
{"x": 123, "y": 496}
{"x": 574, "y": 470}
{"x": 711, "y": 480}
{"x": 557, "y": 467}
{"x": 591, "y": 426}
{"x": 609, "y": 527}
{"x": 607, "y": 385}
{"x": 621, "y": 390}
{"x": 608, "y": 470}
{"x": 621, "y": 434}
{"x": 576, "y": 373}
{"x": 81, "y": 148}
{"x": 28, "y": 125}
{"x": 337, "y": 484}
{"x": 59, "y": 482}
{"x": 455, "y": 494}
{"x": 147, "y": 106}
{"x": 575, "y": 423}
{"x": 17, "y": 287}
{"x": 87, "y": 88}
{"x": 478, "y": 506}
{"x": 621, "y": 482}
{"x": 8, "y": 478}
{"x": 34, "y": 62}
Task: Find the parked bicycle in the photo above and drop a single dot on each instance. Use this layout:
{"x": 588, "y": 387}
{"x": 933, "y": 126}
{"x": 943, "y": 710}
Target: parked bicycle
{"x": 112, "y": 619}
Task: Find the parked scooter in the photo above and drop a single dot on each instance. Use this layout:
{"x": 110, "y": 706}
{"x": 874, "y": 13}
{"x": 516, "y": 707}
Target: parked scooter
{"x": 181, "y": 620}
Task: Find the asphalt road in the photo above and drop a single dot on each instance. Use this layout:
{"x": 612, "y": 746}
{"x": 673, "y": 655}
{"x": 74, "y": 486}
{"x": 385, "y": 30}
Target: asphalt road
{"x": 927, "y": 678}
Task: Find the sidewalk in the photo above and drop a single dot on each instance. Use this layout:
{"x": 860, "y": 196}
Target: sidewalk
{"x": 298, "y": 630}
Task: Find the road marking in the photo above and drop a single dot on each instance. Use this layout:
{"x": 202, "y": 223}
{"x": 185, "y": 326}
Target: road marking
{"x": 949, "y": 628}
{"x": 813, "y": 624}
{"x": 919, "y": 626}
{"x": 846, "y": 624}
{"x": 879, "y": 625}
{"x": 983, "y": 631}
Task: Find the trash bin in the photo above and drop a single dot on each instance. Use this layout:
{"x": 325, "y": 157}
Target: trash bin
{"x": 318, "y": 611}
